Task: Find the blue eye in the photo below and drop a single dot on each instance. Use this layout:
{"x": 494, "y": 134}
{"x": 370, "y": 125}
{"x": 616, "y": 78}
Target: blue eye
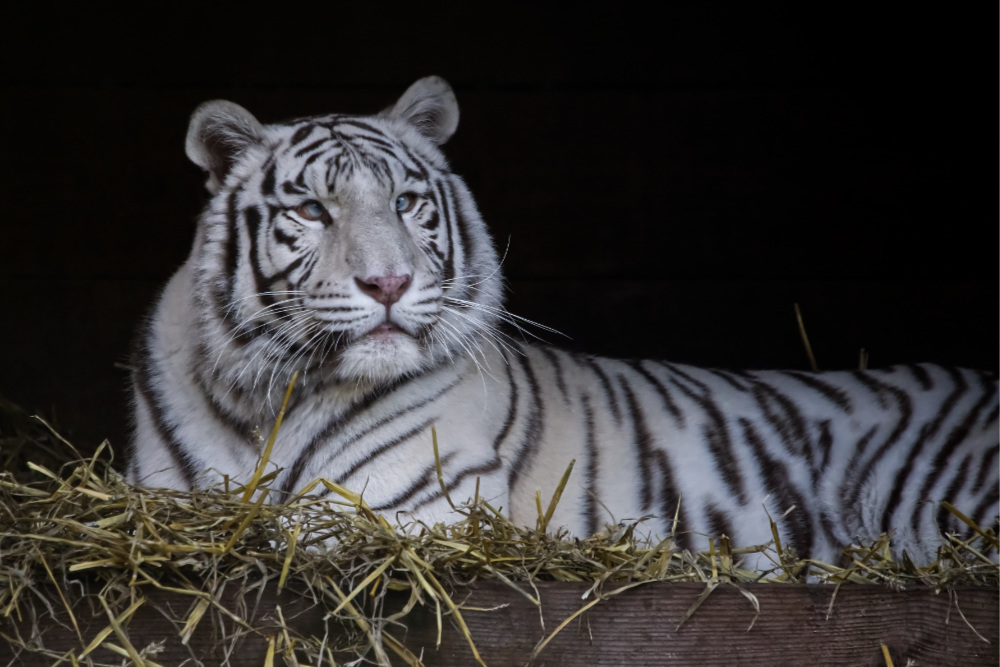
{"x": 311, "y": 210}
{"x": 405, "y": 202}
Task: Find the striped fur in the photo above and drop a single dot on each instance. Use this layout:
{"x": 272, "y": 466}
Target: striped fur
{"x": 343, "y": 247}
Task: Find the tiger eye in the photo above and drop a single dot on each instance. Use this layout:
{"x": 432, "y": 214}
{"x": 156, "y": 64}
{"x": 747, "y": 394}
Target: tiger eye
{"x": 405, "y": 202}
{"x": 310, "y": 210}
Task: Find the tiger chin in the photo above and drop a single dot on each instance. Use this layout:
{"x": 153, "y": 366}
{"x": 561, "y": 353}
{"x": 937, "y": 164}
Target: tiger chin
{"x": 343, "y": 248}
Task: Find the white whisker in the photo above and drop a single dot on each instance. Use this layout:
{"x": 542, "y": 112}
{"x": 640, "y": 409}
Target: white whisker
{"x": 506, "y": 316}
{"x": 314, "y": 330}
{"x": 491, "y": 334}
{"x": 483, "y": 371}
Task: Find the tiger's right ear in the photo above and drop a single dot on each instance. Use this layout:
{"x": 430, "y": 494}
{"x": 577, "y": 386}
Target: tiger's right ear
{"x": 219, "y": 133}
{"x": 430, "y": 106}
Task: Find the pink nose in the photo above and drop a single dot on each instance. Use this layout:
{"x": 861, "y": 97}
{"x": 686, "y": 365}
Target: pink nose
{"x": 384, "y": 289}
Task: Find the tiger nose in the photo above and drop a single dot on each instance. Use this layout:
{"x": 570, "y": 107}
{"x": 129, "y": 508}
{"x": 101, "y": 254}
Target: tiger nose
{"x": 386, "y": 290}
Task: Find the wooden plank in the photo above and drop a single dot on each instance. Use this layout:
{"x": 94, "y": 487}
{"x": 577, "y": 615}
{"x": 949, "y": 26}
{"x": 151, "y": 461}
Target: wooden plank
{"x": 641, "y": 626}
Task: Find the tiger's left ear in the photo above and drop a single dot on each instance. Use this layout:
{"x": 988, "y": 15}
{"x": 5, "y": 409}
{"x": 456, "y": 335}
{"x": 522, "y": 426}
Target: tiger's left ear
{"x": 430, "y": 106}
{"x": 219, "y": 134}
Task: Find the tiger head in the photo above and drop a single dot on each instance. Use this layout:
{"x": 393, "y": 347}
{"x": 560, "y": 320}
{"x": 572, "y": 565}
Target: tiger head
{"x": 339, "y": 245}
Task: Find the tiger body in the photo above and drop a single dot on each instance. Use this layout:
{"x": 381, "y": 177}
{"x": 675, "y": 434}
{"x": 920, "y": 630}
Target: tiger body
{"x": 342, "y": 247}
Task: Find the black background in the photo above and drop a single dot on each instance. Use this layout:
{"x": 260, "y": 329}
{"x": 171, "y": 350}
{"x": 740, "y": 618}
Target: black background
{"x": 670, "y": 182}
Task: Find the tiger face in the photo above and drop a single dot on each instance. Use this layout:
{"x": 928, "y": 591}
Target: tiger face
{"x": 340, "y": 245}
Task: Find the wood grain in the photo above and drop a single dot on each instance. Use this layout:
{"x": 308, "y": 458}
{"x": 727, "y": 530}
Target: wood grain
{"x": 639, "y": 627}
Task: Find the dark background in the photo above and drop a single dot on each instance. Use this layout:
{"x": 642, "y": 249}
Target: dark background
{"x": 670, "y": 181}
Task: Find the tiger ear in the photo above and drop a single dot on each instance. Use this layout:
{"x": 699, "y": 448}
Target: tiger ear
{"x": 430, "y": 106}
{"x": 219, "y": 133}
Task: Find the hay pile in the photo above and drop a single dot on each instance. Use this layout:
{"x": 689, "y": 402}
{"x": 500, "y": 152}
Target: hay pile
{"x": 62, "y": 524}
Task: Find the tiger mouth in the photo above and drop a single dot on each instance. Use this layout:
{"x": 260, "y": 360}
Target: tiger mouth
{"x": 387, "y": 331}
{"x": 386, "y": 328}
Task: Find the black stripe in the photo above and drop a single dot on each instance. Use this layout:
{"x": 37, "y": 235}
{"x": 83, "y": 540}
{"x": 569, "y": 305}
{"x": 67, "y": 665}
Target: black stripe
{"x": 922, "y": 376}
{"x": 374, "y": 141}
{"x": 231, "y": 249}
{"x": 852, "y": 481}
{"x": 729, "y": 378}
{"x": 291, "y": 188}
{"x": 829, "y": 530}
{"x": 508, "y": 422}
{"x": 372, "y": 427}
{"x": 985, "y": 513}
{"x": 718, "y": 523}
{"x": 425, "y": 479}
{"x": 449, "y": 255}
{"x": 422, "y": 172}
{"x": 643, "y": 442}
{"x": 533, "y": 429}
{"x": 874, "y": 386}
{"x": 557, "y": 371}
{"x": 927, "y": 432}
{"x": 430, "y": 246}
{"x": 351, "y": 121}
{"x": 714, "y": 431}
{"x": 225, "y": 294}
{"x": 311, "y": 147}
{"x": 668, "y": 401}
{"x": 490, "y": 466}
{"x": 779, "y": 484}
{"x": 285, "y": 239}
{"x": 946, "y": 521}
{"x": 609, "y": 392}
{"x": 986, "y": 468}
{"x": 421, "y": 482}
{"x": 376, "y": 166}
{"x": 267, "y": 185}
{"x": 379, "y": 162}
{"x": 283, "y": 274}
{"x": 464, "y": 233}
{"x": 825, "y": 446}
{"x": 383, "y": 447}
{"x": 960, "y": 388}
{"x": 671, "y": 503}
{"x": 957, "y": 436}
{"x": 593, "y": 467}
{"x": 990, "y": 421}
{"x": 253, "y": 224}
{"x": 786, "y": 419}
{"x": 142, "y": 362}
{"x": 905, "y": 407}
{"x": 335, "y": 424}
{"x": 243, "y": 429}
{"x": 833, "y": 394}
{"x": 309, "y": 160}
{"x": 430, "y": 224}
{"x": 458, "y": 238}
{"x": 301, "y": 134}
{"x": 335, "y": 167}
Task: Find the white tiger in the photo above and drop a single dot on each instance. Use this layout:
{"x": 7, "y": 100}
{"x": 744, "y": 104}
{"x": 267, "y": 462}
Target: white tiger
{"x": 343, "y": 247}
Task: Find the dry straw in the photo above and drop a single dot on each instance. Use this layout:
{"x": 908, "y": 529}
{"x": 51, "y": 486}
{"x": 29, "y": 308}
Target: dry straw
{"x": 63, "y": 523}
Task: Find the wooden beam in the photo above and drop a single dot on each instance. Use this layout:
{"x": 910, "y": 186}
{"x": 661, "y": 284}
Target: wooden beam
{"x": 796, "y": 625}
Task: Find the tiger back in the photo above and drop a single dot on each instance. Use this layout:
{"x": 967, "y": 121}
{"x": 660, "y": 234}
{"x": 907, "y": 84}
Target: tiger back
{"x": 343, "y": 247}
